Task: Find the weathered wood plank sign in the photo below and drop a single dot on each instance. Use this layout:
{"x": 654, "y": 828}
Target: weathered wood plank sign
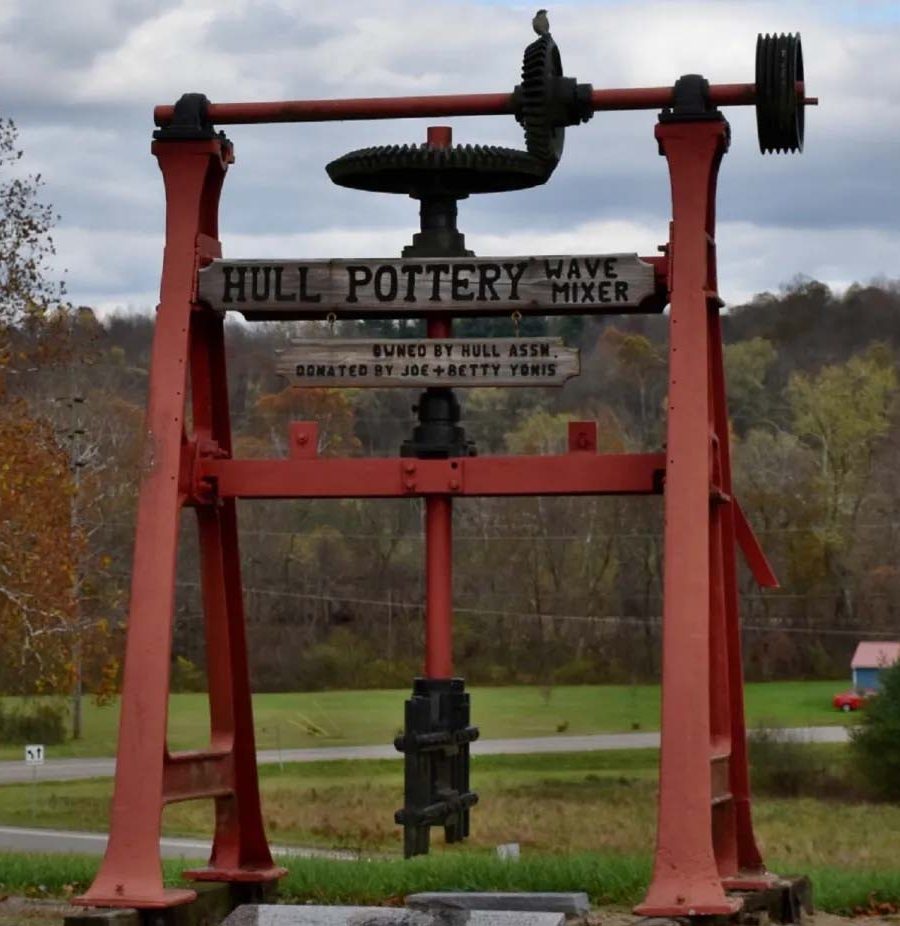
{"x": 390, "y": 362}
{"x": 604, "y": 283}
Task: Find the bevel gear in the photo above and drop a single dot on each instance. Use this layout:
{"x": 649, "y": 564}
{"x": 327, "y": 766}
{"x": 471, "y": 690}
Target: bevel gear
{"x": 422, "y": 170}
{"x": 546, "y": 101}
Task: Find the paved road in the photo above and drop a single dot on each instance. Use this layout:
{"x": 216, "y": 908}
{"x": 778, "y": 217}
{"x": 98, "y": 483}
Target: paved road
{"x": 67, "y": 842}
{"x": 71, "y": 769}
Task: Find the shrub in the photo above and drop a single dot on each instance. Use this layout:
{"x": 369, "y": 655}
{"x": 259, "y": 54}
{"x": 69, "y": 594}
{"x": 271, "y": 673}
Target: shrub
{"x": 875, "y": 742}
{"x": 785, "y": 765}
{"x": 35, "y": 723}
{"x": 186, "y": 677}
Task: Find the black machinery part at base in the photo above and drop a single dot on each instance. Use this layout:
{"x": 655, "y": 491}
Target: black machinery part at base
{"x": 546, "y": 101}
{"x": 425, "y": 170}
{"x": 435, "y": 745}
{"x": 779, "y": 108}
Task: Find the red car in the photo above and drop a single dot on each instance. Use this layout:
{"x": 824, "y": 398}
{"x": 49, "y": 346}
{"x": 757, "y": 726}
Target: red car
{"x": 851, "y": 700}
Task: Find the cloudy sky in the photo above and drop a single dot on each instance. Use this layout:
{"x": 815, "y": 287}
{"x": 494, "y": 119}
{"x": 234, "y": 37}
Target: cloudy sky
{"x": 81, "y": 77}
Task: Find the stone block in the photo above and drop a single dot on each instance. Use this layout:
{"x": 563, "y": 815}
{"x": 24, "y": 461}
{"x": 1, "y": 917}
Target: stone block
{"x": 212, "y": 905}
{"x": 384, "y": 916}
{"x": 95, "y": 916}
{"x": 572, "y": 903}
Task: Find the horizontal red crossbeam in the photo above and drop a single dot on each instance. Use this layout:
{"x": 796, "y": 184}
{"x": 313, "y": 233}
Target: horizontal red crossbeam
{"x": 191, "y": 775}
{"x": 577, "y": 473}
{"x": 473, "y": 104}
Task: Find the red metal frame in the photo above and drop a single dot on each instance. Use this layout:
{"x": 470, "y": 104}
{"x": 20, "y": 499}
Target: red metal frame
{"x": 705, "y": 843}
{"x": 148, "y": 776}
{"x": 705, "y": 840}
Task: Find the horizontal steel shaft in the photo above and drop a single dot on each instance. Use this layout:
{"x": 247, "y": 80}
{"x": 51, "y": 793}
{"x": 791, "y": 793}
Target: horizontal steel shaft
{"x": 475, "y": 104}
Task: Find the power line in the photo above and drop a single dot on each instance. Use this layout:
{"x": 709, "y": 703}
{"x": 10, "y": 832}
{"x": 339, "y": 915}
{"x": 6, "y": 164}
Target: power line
{"x": 655, "y": 621}
{"x": 473, "y": 538}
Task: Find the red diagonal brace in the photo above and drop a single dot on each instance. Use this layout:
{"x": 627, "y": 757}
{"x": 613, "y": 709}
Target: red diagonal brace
{"x": 756, "y": 559}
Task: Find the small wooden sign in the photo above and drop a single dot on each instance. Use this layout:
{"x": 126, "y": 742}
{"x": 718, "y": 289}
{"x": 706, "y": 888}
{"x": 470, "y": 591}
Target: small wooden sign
{"x": 394, "y": 362}
{"x": 592, "y": 284}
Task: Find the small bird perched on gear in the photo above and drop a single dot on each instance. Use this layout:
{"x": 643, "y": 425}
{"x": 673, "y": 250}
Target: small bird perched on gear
{"x": 540, "y": 23}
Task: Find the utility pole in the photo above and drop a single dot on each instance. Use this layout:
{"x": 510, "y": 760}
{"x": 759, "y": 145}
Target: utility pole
{"x": 73, "y": 432}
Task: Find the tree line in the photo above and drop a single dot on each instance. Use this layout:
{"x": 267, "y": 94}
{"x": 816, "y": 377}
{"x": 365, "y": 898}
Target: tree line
{"x": 547, "y": 590}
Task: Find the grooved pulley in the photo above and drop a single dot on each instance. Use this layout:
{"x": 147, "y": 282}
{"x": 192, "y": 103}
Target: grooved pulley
{"x": 779, "y": 104}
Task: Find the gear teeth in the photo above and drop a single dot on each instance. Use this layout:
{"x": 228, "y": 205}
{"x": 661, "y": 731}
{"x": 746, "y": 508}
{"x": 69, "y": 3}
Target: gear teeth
{"x": 542, "y": 139}
{"x": 415, "y": 169}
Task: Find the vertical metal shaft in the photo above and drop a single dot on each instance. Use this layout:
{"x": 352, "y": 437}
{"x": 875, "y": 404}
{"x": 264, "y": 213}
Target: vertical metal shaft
{"x": 439, "y": 529}
{"x": 439, "y": 566}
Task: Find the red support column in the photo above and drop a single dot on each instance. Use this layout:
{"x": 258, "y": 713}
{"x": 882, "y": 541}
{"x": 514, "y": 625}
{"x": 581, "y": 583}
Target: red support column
{"x": 240, "y": 851}
{"x": 695, "y": 826}
{"x": 749, "y": 872}
{"x": 439, "y": 587}
{"x": 131, "y": 873}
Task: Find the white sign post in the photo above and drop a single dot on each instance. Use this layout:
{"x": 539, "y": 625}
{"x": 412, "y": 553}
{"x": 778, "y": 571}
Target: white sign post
{"x": 34, "y": 756}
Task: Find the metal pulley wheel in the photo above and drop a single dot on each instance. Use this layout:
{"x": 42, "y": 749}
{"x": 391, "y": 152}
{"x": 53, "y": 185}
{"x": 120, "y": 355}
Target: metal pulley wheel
{"x": 779, "y": 107}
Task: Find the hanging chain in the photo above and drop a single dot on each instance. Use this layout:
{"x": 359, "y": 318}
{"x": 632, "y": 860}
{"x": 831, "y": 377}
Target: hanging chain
{"x": 331, "y": 319}
{"x": 516, "y": 318}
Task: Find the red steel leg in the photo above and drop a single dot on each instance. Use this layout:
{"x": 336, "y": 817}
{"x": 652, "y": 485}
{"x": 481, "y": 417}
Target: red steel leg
{"x": 750, "y": 872}
{"x": 686, "y": 879}
{"x": 240, "y": 851}
{"x": 131, "y": 873}
{"x": 721, "y": 754}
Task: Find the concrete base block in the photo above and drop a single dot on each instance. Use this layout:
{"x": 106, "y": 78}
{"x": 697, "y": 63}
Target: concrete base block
{"x": 384, "y": 916}
{"x": 94, "y": 916}
{"x": 785, "y": 902}
{"x": 573, "y": 903}
{"x": 215, "y": 900}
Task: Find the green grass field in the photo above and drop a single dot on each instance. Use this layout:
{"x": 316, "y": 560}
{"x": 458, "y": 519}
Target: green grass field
{"x": 348, "y": 718}
{"x": 567, "y": 803}
{"x": 608, "y": 880}
{"x": 585, "y": 821}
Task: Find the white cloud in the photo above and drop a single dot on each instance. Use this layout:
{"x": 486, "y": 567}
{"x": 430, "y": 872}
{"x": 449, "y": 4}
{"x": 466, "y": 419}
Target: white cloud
{"x": 751, "y": 259}
{"x": 81, "y": 79}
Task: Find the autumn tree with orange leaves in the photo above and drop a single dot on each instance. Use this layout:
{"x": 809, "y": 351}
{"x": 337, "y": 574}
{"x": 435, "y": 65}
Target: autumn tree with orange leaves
{"x": 45, "y": 639}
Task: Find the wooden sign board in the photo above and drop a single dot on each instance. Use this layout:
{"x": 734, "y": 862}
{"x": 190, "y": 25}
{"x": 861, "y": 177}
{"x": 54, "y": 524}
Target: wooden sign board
{"x": 598, "y": 284}
{"x": 394, "y": 362}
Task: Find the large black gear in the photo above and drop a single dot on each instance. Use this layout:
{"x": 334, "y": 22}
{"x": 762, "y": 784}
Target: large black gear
{"x": 423, "y": 170}
{"x": 546, "y": 101}
{"x": 541, "y": 65}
